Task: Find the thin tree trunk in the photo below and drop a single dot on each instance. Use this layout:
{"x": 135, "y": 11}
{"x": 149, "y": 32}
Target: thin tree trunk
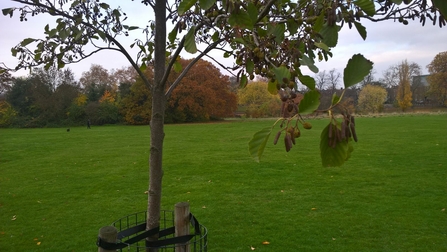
{"x": 157, "y": 120}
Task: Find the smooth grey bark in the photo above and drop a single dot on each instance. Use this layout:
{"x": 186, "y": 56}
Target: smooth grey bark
{"x": 157, "y": 119}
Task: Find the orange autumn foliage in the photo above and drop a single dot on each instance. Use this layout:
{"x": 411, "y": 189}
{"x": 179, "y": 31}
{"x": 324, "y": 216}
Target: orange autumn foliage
{"x": 203, "y": 94}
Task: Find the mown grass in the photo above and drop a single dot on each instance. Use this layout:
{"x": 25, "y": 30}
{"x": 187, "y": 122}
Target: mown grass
{"x": 58, "y": 188}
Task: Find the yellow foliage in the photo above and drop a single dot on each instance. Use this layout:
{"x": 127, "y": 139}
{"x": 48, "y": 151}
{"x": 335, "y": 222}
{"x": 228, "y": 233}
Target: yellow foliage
{"x": 404, "y": 94}
{"x": 7, "y": 113}
{"x": 81, "y": 100}
{"x": 107, "y": 97}
{"x": 371, "y": 98}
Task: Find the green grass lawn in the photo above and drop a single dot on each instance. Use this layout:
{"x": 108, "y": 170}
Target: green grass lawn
{"x": 58, "y": 188}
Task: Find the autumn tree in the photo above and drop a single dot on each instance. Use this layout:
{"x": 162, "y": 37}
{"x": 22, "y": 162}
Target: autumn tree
{"x": 136, "y": 106}
{"x": 438, "y": 77}
{"x": 404, "y": 94}
{"x": 372, "y": 98}
{"x": 96, "y": 81}
{"x": 257, "y": 101}
{"x": 203, "y": 94}
{"x": 252, "y": 32}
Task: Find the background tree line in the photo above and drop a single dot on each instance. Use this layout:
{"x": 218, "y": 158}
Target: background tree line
{"x": 401, "y": 87}
{"x": 53, "y": 97}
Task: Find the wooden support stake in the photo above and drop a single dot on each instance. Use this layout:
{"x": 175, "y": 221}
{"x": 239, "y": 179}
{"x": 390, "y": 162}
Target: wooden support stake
{"x": 182, "y": 224}
{"x": 108, "y": 234}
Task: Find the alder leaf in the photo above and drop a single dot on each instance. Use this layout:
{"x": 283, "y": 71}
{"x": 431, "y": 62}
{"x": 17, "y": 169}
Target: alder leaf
{"x": 190, "y": 41}
{"x": 310, "y": 102}
{"x": 206, "y": 4}
{"x": 367, "y": 6}
{"x": 307, "y": 81}
{"x": 184, "y": 6}
{"x": 361, "y": 29}
{"x": 257, "y": 144}
{"x": 355, "y": 71}
{"x": 440, "y": 4}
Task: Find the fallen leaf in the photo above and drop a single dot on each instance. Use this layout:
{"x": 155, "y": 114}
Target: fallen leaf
{"x": 443, "y": 209}
{"x": 204, "y": 207}
{"x": 35, "y": 239}
{"x": 265, "y": 243}
{"x": 313, "y": 209}
{"x": 38, "y": 243}
{"x": 252, "y": 248}
{"x": 146, "y": 192}
{"x": 14, "y": 217}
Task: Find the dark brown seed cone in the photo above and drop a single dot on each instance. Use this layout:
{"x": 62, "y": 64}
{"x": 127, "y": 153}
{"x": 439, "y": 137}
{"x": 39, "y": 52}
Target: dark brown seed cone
{"x": 289, "y": 107}
{"x": 292, "y": 136}
{"x": 288, "y": 142}
{"x": 275, "y": 141}
{"x": 343, "y": 130}
{"x": 354, "y": 135}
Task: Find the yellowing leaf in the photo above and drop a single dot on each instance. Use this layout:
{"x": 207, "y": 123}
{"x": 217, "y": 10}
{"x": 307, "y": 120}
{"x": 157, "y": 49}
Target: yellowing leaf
{"x": 265, "y": 243}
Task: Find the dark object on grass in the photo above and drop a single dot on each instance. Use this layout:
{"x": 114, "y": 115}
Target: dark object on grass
{"x": 88, "y": 124}
{"x": 68, "y": 130}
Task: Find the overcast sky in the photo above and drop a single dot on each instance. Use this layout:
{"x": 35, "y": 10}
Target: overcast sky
{"x": 387, "y": 43}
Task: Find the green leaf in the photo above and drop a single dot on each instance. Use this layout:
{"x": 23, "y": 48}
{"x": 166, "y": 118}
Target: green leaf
{"x": 330, "y": 35}
{"x": 292, "y": 26}
{"x": 185, "y": 5}
{"x": 361, "y": 29}
{"x": 272, "y": 87}
{"x": 309, "y": 63}
{"x": 440, "y": 4}
{"x": 190, "y": 41}
{"x": 101, "y": 34}
{"x": 278, "y": 31}
{"x": 334, "y": 156}
{"x": 172, "y": 35}
{"x": 240, "y": 19}
{"x": 307, "y": 81}
{"x": 252, "y": 11}
{"x": 243, "y": 82}
{"x": 310, "y": 102}
{"x": 355, "y": 71}
{"x": 206, "y": 4}
{"x": 13, "y": 52}
{"x": 281, "y": 74}
{"x": 27, "y": 41}
{"x": 318, "y": 25}
{"x": 249, "y": 66}
{"x": 104, "y": 6}
{"x": 143, "y": 66}
{"x": 257, "y": 144}
{"x": 322, "y": 46}
{"x": 8, "y": 11}
{"x": 397, "y": 1}
{"x": 367, "y": 6}
{"x": 177, "y": 66}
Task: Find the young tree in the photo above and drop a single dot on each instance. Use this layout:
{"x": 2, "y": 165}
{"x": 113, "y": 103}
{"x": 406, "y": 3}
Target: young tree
{"x": 253, "y": 32}
{"x": 404, "y": 94}
{"x": 438, "y": 77}
{"x": 371, "y": 98}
